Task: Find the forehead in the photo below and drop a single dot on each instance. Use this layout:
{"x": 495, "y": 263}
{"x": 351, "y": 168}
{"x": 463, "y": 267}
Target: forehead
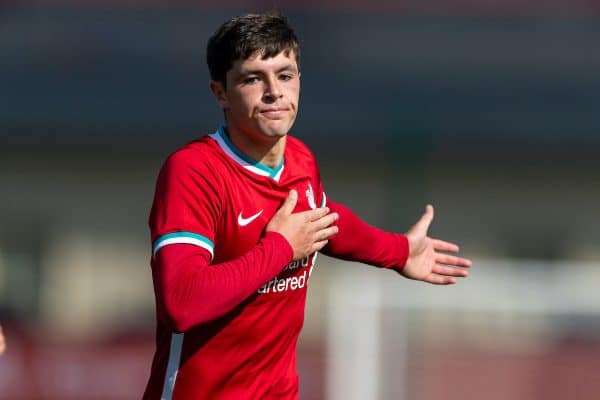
{"x": 256, "y": 62}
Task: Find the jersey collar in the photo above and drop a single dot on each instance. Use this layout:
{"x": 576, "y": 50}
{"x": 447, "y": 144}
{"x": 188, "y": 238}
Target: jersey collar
{"x": 246, "y": 162}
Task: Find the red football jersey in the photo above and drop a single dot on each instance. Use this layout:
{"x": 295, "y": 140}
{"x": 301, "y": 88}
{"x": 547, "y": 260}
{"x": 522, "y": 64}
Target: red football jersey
{"x": 213, "y": 200}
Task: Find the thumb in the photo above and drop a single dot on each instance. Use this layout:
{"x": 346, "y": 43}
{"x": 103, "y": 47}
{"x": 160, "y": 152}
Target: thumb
{"x": 424, "y": 222}
{"x": 290, "y": 203}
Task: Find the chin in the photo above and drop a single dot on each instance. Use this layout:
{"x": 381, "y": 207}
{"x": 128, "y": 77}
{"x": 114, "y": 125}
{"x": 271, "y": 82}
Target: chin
{"x": 276, "y": 132}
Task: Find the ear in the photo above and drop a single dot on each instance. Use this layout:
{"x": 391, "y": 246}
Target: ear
{"x": 219, "y": 92}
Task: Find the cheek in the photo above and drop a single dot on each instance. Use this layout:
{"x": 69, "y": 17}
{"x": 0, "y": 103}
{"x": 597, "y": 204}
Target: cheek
{"x": 294, "y": 94}
{"x": 249, "y": 102}
{"x": 240, "y": 105}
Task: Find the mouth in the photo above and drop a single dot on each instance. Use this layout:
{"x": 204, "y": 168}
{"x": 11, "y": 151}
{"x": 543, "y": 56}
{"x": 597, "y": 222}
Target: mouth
{"x": 274, "y": 113}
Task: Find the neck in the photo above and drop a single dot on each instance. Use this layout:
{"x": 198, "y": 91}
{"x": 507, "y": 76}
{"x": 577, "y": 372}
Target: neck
{"x": 267, "y": 152}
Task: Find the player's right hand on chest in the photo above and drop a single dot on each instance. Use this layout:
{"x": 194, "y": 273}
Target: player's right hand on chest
{"x": 306, "y": 231}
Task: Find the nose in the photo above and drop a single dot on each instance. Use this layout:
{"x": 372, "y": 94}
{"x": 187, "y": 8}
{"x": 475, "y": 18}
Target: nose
{"x": 273, "y": 89}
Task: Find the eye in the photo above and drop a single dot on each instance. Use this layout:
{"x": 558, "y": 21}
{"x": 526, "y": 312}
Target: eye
{"x": 250, "y": 80}
{"x": 285, "y": 77}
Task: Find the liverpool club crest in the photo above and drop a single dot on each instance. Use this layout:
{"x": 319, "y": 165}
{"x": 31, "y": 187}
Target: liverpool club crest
{"x": 310, "y": 197}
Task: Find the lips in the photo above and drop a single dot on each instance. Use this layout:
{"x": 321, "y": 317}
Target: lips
{"x": 274, "y": 113}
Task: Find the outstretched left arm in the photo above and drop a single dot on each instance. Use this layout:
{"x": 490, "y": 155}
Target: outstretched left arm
{"x": 414, "y": 255}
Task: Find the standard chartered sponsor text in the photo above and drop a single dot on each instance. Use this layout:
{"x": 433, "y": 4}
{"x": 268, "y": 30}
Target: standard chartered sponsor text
{"x": 295, "y": 282}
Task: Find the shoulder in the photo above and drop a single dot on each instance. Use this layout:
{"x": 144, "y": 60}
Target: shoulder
{"x": 200, "y": 154}
{"x": 298, "y": 149}
{"x": 195, "y": 162}
{"x": 197, "y": 152}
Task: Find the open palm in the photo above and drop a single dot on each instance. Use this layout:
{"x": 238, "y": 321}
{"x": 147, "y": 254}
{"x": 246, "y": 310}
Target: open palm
{"x": 427, "y": 260}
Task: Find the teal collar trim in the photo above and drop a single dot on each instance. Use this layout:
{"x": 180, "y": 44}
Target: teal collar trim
{"x": 243, "y": 159}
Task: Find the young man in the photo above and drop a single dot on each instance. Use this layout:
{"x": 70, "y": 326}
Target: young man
{"x": 237, "y": 221}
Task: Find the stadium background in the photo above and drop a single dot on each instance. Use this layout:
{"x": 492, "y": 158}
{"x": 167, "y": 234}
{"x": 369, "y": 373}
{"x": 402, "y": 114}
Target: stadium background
{"x": 489, "y": 110}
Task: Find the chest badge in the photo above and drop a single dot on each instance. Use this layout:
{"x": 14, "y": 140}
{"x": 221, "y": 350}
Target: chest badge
{"x": 310, "y": 197}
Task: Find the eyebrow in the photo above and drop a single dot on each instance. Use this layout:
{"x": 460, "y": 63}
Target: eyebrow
{"x": 288, "y": 67}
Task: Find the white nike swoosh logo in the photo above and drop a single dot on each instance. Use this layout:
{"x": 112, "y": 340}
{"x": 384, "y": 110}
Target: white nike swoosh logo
{"x": 245, "y": 221}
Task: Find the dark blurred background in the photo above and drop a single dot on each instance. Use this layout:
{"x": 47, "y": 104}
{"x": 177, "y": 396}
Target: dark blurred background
{"x": 488, "y": 110}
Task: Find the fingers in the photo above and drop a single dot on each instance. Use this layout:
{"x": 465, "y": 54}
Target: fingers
{"x": 325, "y": 221}
{"x": 322, "y": 230}
{"x": 323, "y": 227}
{"x": 317, "y": 246}
{"x": 287, "y": 208}
{"x": 289, "y": 203}
{"x": 326, "y": 233}
{"x": 453, "y": 261}
{"x": 449, "y": 271}
{"x": 445, "y": 275}
{"x": 441, "y": 245}
{"x": 440, "y": 279}
{"x": 316, "y": 214}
